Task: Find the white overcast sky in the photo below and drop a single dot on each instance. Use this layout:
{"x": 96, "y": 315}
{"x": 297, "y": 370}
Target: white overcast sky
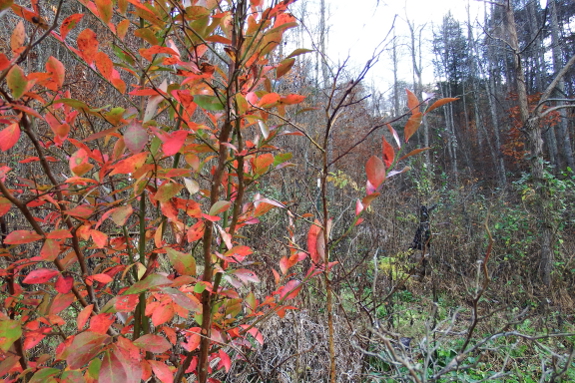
{"x": 357, "y": 26}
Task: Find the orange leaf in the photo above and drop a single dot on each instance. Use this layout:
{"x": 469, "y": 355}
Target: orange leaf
{"x": 69, "y": 23}
{"x": 388, "y": 153}
{"x": 122, "y": 28}
{"x": 269, "y": 100}
{"x": 414, "y": 152}
{"x": 104, "y": 65}
{"x": 375, "y": 170}
{"x": 57, "y": 70}
{"x": 292, "y": 99}
{"x": 412, "y": 102}
{"x": 105, "y": 10}
{"x": 18, "y": 37}
{"x": 412, "y": 125}
{"x": 130, "y": 164}
{"x": 88, "y": 45}
{"x": 439, "y": 103}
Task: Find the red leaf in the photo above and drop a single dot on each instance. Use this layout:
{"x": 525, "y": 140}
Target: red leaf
{"x": 87, "y": 45}
{"x": 439, "y": 103}
{"x": 20, "y": 237}
{"x": 64, "y": 284}
{"x": 102, "y": 278}
{"x": 246, "y": 276}
{"x": 225, "y": 360}
{"x": 412, "y": 125}
{"x": 118, "y": 365}
{"x": 195, "y": 232}
{"x": 50, "y": 250}
{"x": 4, "y": 62}
{"x": 375, "y": 170}
{"x": 135, "y": 137}
{"x": 82, "y": 211}
{"x": 40, "y": 276}
{"x": 5, "y": 206}
{"x": 174, "y": 143}
{"x": 152, "y": 343}
{"x": 290, "y": 290}
{"x": 9, "y": 136}
{"x": 163, "y": 313}
{"x": 312, "y": 242}
{"x": 59, "y": 234}
{"x": 412, "y": 102}
{"x": 101, "y": 323}
{"x": 84, "y": 316}
{"x": 388, "y": 153}
{"x": 84, "y": 348}
{"x": 69, "y": 23}
{"x": 162, "y": 371}
{"x": 61, "y": 302}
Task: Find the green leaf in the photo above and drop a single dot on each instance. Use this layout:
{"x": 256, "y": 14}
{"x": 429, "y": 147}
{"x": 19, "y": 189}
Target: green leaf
{"x": 44, "y": 374}
{"x": 281, "y": 158}
{"x": 105, "y": 10}
{"x": 185, "y": 264}
{"x": 219, "y": 207}
{"x": 136, "y": 137}
{"x": 10, "y": 331}
{"x": 299, "y": 51}
{"x": 147, "y": 34}
{"x": 17, "y": 81}
{"x": 284, "y": 67}
{"x": 121, "y": 214}
{"x": 208, "y": 102}
{"x": 151, "y": 281}
{"x": 167, "y": 191}
{"x": 73, "y": 376}
{"x": 5, "y": 4}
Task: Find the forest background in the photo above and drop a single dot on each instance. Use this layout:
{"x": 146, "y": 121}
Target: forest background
{"x": 196, "y": 191}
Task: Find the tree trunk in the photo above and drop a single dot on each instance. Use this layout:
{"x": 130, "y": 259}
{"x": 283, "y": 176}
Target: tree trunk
{"x": 563, "y": 131}
{"x": 531, "y": 125}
